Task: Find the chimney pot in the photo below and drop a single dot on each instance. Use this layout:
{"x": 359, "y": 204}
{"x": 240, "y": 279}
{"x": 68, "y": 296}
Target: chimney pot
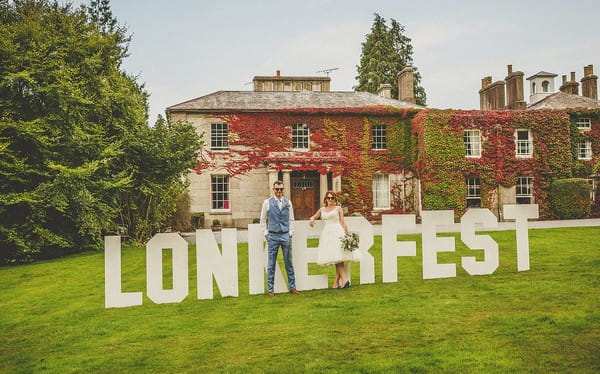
{"x": 278, "y": 73}
{"x": 572, "y": 76}
{"x": 509, "y": 69}
{"x": 564, "y": 79}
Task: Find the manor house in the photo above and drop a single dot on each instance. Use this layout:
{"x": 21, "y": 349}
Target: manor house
{"x": 380, "y": 154}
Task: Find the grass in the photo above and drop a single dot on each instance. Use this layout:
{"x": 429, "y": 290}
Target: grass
{"x": 52, "y": 318}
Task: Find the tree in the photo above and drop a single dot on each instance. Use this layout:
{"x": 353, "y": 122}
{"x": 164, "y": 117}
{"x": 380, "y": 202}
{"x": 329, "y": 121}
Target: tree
{"x": 385, "y": 53}
{"x": 74, "y": 137}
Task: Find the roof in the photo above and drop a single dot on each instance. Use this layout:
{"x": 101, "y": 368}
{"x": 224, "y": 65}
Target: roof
{"x": 225, "y": 101}
{"x": 542, "y": 74}
{"x": 561, "y": 100}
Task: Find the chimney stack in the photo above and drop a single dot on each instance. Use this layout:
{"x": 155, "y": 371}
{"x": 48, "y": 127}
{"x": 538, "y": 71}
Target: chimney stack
{"x": 491, "y": 95}
{"x": 515, "y": 95}
{"x": 486, "y": 81}
{"x": 385, "y": 90}
{"x": 278, "y": 74}
{"x": 406, "y": 85}
{"x": 589, "y": 83}
{"x": 570, "y": 87}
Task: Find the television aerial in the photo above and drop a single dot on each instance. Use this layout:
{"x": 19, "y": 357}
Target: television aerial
{"x": 327, "y": 71}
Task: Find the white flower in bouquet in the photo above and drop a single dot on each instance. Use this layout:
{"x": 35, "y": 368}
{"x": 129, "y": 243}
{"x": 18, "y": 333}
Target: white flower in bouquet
{"x": 350, "y": 242}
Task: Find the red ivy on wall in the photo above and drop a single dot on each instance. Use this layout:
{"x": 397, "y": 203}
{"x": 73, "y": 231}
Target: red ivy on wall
{"x": 340, "y": 143}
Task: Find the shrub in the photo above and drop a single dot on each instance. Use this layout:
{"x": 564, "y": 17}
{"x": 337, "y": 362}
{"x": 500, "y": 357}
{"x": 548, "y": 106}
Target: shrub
{"x": 198, "y": 220}
{"x": 181, "y": 220}
{"x": 570, "y": 198}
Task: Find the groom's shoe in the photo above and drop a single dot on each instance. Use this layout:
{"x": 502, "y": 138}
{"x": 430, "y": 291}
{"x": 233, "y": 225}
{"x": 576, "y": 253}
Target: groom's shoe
{"x": 271, "y": 294}
{"x": 294, "y": 291}
{"x": 347, "y": 284}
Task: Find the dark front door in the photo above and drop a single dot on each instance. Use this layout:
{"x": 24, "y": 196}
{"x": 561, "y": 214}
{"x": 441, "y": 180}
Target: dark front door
{"x": 305, "y": 193}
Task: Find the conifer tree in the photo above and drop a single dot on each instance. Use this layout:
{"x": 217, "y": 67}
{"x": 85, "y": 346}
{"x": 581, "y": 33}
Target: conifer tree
{"x": 385, "y": 52}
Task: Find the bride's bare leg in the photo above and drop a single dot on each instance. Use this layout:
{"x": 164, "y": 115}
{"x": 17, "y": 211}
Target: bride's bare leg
{"x": 342, "y": 273}
{"x": 336, "y": 281}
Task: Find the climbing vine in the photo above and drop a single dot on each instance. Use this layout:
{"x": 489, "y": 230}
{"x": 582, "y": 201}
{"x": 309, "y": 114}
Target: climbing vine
{"x": 427, "y": 143}
{"x": 443, "y": 166}
{"x": 340, "y": 143}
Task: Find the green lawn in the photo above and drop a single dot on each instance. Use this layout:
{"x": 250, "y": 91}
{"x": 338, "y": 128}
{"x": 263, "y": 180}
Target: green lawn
{"x": 52, "y": 318}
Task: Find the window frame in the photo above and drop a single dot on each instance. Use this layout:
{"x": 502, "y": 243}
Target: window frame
{"x": 587, "y": 148}
{"x": 221, "y": 195}
{"x": 584, "y": 120}
{"x": 295, "y": 136}
{"x": 473, "y": 144}
{"x": 219, "y": 135}
{"x": 473, "y": 191}
{"x": 379, "y": 180}
{"x": 527, "y": 186}
{"x": 379, "y": 137}
{"x": 528, "y": 143}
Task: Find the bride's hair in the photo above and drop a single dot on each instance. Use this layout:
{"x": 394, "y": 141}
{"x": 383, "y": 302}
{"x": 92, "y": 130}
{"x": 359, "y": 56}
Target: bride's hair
{"x": 330, "y": 193}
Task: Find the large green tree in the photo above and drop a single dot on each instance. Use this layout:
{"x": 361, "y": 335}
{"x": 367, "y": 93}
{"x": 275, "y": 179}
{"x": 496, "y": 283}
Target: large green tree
{"x": 77, "y": 157}
{"x": 385, "y": 52}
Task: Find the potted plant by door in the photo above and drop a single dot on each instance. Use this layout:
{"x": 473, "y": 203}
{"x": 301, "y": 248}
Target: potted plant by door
{"x": 216, "y": 225}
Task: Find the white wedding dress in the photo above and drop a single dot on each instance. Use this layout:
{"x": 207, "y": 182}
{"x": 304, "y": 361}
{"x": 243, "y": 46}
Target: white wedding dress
{"x": 330, "y": 250}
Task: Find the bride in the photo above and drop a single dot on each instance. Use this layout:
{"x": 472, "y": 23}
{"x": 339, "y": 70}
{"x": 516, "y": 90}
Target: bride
{"x": 331, "y": 250}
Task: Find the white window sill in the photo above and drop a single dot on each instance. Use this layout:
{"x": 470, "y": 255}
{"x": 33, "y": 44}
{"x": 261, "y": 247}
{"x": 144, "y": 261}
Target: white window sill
{"x": 220, "y": 211}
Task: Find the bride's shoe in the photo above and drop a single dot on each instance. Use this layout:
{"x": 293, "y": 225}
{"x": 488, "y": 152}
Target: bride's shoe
{"x": 347, "y": 284}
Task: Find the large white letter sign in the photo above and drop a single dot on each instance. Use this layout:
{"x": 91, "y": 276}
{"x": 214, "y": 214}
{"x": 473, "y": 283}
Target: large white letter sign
{"x": 113, "y": 297}
{"x": 485, "y": 242}
{"x": 302, "y": 255}
{"x": 209, "y": 262}
{"x": 365, "y": 232}
{"x": 521, "y": 213}
{"x": 154, "y": 268}
{"x": 432, "y": 244}
{"x": 392, "y": 225}
{"x": 257, "y": 263}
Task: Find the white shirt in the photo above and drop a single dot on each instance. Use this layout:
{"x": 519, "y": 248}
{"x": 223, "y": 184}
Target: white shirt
{"x": 264, "y": 212}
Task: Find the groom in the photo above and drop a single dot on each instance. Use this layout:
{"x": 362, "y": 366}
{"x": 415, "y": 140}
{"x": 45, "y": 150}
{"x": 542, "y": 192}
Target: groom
{"x": 277, "y": 222}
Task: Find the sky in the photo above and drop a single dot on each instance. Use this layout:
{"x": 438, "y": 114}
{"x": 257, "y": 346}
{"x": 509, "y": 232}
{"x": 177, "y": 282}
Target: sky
{"x": 183, "y": 49}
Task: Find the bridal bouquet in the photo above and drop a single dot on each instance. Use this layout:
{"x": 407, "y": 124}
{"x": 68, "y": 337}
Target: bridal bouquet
{"x": 350, "y": 242}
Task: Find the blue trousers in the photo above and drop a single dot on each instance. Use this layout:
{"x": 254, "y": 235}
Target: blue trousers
{"x": 275, "y": 241}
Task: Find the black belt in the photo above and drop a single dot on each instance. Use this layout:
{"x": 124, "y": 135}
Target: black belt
{"x": 278, "y": 232}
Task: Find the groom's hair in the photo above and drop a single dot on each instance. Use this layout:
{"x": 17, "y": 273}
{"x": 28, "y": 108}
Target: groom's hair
{"x": 277, "y": 182}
